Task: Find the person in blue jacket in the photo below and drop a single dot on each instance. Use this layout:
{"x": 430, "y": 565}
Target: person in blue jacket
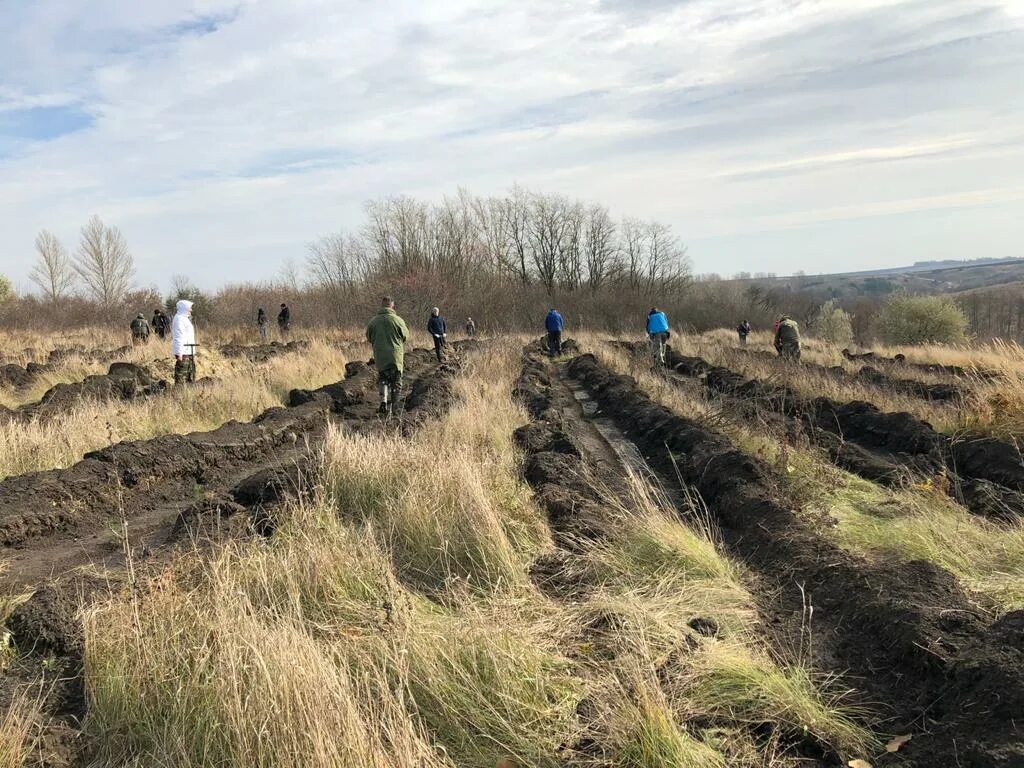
{"x": 658, "y": 333}
{"x": 553, "y": 324}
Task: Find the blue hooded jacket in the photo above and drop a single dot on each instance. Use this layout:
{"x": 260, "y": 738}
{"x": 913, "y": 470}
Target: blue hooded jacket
{"x": 553, "y": 322}
{"x": 657, "y": 323}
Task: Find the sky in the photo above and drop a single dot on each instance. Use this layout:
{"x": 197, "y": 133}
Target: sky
{"x": 222, "y": 137}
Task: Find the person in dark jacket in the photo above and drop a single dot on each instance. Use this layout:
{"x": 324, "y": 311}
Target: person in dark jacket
{"x": 438, "y": 330}
{"x": 470, "y": 327}
{"x": 140, "y": 329}
{"x": 263, "y": 323}
{"x": 658, "y": 333}
{"x": 554, "y": 324}
{"x": 284, "y": 321}
{"x": 161, "y": 323}
{"x": 743, "y": 330}
{"x": 787, "y": 339}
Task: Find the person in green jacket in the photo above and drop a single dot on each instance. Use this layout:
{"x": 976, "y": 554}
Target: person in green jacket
{"x": 140, "y": 330}
{"x": 787, "y": 339}
{"x": 387, "y": 332}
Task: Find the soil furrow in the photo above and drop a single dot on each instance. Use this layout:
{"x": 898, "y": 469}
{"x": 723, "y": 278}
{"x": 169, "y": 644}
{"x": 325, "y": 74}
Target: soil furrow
{"x": 913, "y": 639}
{"x": 173, "y": 491}
{"x": 986, "y": 474}
{"x": 936, "y": 392}
{"x": 576, "y": 459}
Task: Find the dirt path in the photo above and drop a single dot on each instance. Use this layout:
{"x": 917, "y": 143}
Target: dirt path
{"x": 906, "y": 633}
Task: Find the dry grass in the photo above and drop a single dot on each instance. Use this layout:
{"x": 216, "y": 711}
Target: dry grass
{"x": 243, "y": 391}
{"x": 17, "y": 722}
{"x": 993, "y": 407}
{"x": 915, "y": 523}
{"x": 390, "y": 622}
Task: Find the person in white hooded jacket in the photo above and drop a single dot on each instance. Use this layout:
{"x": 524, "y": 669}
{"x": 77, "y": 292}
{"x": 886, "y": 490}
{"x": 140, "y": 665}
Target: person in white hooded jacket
{"x": 183, "y": 339}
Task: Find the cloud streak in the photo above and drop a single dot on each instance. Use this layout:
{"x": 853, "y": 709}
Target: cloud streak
{"x": 218, "y": 134}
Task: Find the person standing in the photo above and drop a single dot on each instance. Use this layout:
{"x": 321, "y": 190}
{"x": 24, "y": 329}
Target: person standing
{"x": 554, "y": 324}
{"x": 787, "y": 338}
{"x": 658, "y": 333}
{"x": 160, "y": 323}
{"x": 388, "y": 333}
{"x": 183, "y": 344}
{"x": 743, "y": 330}
{"x": 284, "y": 321}
{"x": 437, "y": 327}
{"x": 470, "y": 327}
{"x": 263, "y": 323}
{"x": 140, "y": 330}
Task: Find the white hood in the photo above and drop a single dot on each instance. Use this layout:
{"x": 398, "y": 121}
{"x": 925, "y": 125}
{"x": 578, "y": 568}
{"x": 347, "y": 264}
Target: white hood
{"x": 182, "y": 332}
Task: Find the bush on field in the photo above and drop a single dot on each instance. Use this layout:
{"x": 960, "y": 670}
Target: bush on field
{"x": 6, "y": 290}
{"x": 921, "y": 320}
{"x": 834, "y": 324}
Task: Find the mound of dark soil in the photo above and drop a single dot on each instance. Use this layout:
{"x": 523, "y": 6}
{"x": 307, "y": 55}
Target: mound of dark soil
{"x": 908, "y": 631}
{"x": 987, "y": 473}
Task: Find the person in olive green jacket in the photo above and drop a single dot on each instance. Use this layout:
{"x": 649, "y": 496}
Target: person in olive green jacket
{"x": 787, "y": 339}
{"x": 387, "y": 332}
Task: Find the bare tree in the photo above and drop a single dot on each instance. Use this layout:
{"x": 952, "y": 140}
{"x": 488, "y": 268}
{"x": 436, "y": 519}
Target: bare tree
{"x": 667, "y": 267}
{"x": 516, "y": 219}
{"x": 634, "y": 243}
{"x": 600, "y": 248}
{"x": 104, "y": 263}
{"x": 290, "y": 275}
{"x": 53, "y": 272}
{"x": 336, "y": 263}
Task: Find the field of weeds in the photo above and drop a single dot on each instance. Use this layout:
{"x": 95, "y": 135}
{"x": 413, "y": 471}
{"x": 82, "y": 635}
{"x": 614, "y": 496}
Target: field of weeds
{"x": 585, "y": 561}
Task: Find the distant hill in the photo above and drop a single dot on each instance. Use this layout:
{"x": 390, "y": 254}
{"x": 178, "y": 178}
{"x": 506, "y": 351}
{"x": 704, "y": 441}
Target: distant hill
{"x": 927, "y": 277}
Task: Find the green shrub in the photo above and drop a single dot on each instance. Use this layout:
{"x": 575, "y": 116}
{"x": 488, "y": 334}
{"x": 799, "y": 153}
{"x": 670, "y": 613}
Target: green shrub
{"x": 922, "y": 320}
{"x": 834, "y": 324}
{"x": 6, "y": 290}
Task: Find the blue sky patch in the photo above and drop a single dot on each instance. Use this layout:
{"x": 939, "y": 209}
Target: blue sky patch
{"x": 44, "y": 123}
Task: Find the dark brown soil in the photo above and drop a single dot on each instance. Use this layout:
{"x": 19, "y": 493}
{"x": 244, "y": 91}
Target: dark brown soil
{"x": 901, "y": 361}
{"x": 911, "y": 639}
{"x": 987, "y": 474}
{"x": 260, "y": 353}
{"x": 175, "y": 489}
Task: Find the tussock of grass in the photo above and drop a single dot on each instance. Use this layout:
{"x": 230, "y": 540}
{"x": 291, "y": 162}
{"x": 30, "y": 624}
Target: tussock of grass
{"x": 16, "y": 727}
{"x": 987, "y": 557}
{"x": 734, "y": 681}
{"x": 243, "y": 391}
{"x": 648, "y": 735}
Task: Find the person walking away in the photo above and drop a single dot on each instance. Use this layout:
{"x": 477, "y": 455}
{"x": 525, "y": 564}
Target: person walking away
{"x": 437, "y": 327}
{"x": 787, "y": 339}
{"x": 284, "y": 321}
{"x": 658, "y": 333}
{"x": 554, "y": 324}
{"x": 470, "y": 327}
{"x": 159, "y": 323}
{"x": 140, "y": 330}
{"x": 388, "y": 333}
{"x": 263, "y": 323}
{"x": 743, "y": 330}
{"x": 183, "y": 344}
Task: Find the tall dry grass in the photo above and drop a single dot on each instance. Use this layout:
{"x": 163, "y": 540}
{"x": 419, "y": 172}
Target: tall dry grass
{"x": 242, "y": 391}
{"x": 390, "y": 621}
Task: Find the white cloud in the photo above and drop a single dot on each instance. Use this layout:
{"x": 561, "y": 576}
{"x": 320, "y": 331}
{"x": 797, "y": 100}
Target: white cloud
{"x": 228, "y": 135}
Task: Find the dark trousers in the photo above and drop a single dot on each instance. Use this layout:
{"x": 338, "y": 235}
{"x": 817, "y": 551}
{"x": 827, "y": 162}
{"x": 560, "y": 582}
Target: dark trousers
{"x": 790, "y": 350}
{"x": 389, "y": 386}
{"x": 554, "y": 343}
{"x": 438, "y": 347}
{"x": 184, "y": 370}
